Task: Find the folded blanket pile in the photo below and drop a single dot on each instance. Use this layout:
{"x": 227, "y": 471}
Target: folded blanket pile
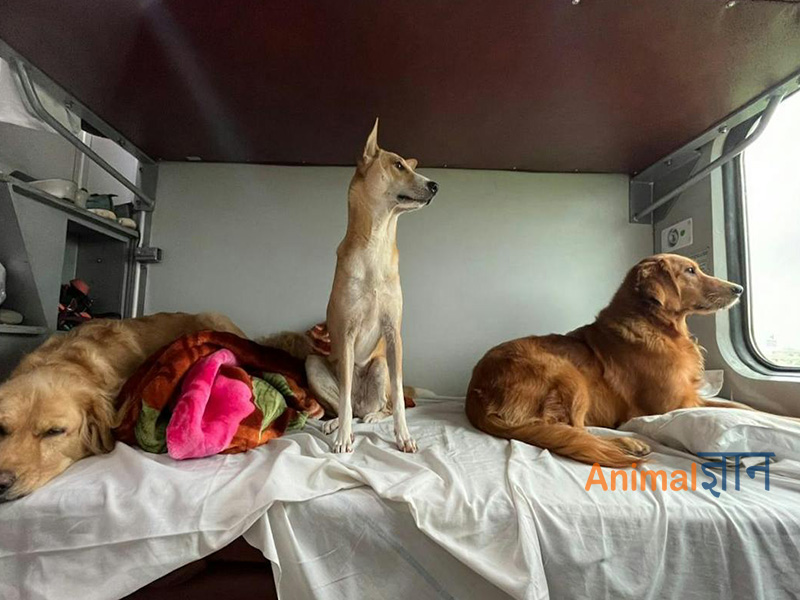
{"x": 209, "y": 393}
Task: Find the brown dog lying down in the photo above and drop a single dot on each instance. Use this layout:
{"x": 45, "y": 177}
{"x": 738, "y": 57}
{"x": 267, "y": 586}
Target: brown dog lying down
{"x": 636, "y": 359}
{"x": 58, "y": 405}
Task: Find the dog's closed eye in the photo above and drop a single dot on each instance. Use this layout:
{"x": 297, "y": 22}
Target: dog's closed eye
{"x": 54, "y": 431}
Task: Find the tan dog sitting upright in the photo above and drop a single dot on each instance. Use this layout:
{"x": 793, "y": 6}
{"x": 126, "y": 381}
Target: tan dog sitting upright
{"x": 636, "y": 359}
{"x": 364, "y": 374}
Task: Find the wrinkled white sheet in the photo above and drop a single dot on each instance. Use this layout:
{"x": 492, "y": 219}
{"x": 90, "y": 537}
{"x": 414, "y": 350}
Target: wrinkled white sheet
{"x": 516, "y": 516}
{"x": 352, "y": 544}
{"x": 111, "y": 524}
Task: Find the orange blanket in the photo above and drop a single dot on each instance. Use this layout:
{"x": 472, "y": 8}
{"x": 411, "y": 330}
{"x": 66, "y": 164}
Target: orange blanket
{"x": 148, "y": 397}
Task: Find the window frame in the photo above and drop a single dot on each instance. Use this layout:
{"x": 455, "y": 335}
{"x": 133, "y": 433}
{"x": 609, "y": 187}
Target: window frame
{"x": 740, "y": 316}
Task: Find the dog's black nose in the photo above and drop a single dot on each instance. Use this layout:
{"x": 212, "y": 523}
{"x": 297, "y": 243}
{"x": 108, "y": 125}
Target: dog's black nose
{"x": 7, "y": 479}
{"x": 433, "y": 187}
{"x": 737, "y": 289}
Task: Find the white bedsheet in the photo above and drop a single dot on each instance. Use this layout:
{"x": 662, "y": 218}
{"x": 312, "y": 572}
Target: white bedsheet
{"x": 515, "y": 515}
{"x": 353, "y": 544}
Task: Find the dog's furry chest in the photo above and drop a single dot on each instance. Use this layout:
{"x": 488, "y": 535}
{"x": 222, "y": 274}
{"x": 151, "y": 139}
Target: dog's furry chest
{"x": 644, "y": 374}
{"x": 656, "y": 382}
{"x": 366, "y": 302}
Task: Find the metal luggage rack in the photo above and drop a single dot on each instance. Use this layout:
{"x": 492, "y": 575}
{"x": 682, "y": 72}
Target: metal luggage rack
{"x": 667, "y": 179}
{"x": 144, "y": 192}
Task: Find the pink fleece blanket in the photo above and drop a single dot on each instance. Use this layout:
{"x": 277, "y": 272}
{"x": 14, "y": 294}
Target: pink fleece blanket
{"x": 209, "y": 409}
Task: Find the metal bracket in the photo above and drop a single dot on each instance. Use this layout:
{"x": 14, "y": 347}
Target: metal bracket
{"x": 140, "y": 205}
{"x": 33, "y": 98}
{"x": 673, "y": 173}
{"x": 147, "y": 255}
{"x": 641, "y": 196}
{"x": 774, "y": 101}
{"x": 663, "y": 175}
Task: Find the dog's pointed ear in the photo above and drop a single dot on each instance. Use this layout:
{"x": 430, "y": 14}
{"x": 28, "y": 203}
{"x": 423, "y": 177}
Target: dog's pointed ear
{"x": 371, "y": 147}
{"x": 412, "y": 162}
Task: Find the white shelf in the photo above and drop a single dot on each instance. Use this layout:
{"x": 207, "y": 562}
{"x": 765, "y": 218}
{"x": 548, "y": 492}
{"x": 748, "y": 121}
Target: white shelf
{"x": 100, "y": 224}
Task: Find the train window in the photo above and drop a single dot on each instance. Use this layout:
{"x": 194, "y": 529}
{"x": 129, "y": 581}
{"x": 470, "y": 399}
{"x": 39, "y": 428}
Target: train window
{"x": 771, "y": 213}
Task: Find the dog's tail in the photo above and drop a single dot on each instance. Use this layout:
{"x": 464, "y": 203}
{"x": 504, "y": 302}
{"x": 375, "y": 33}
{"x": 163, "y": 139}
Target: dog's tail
{"x": 560, "y": 438}
{"x": 415, "y": 393}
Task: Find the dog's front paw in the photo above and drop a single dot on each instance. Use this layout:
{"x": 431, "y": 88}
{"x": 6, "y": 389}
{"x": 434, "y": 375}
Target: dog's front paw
{"x": 374, "y": 417}
{"x": 344, "y": 442}
{"x": 404, "y": 440}
{"x": 634, "y": 447}
{"x": 328, "y": 427}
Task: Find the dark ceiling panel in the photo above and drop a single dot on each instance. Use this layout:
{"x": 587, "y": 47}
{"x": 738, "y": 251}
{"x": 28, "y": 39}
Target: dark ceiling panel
{"x": 542, "y": 85}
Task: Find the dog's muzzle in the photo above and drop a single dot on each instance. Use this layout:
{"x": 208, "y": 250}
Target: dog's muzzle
{"x": 7, "y": 480}
{"x": 433, "y": 187}
{"x": 429, "y": 191}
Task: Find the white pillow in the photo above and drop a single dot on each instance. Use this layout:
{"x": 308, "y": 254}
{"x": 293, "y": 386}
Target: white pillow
{"x": 721, "y": 430}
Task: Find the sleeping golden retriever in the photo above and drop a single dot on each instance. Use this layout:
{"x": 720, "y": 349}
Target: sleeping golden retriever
{"x": 58, "y": 405}
{"x": 637, "y": 358}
